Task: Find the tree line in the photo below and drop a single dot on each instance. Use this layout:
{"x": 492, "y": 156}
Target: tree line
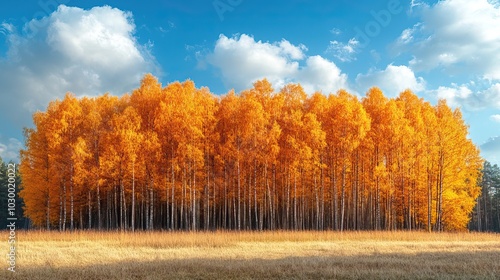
{"x": 181, "y": 158}
{"x": 486, "y": 215}
{"x": 18, "y": 204}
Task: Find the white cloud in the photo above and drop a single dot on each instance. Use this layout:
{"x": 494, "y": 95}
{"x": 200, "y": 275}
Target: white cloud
{"x": 392, "y": 80}
{"x": 10, "y": 150}
{"x": 344, "y": 52}
{"x": 335, "y": 31}
{"x": 406, "y": 36}
{"x": 169, "y": 27}
{"x": 490, "y": 97}
{"x": 98, "y": 39}
{"x": 295, "y": 52}
{"x": 319, "y": 74}
{"x": 456, "y": 35}
{"x": 82, "y": 51}
{"x": 242, "y": 60}
{"x": 454, "y": 95}
{"x": 87, "y": 52}
{"x": 495, "y": 118}
{"x": 469, "y": 99}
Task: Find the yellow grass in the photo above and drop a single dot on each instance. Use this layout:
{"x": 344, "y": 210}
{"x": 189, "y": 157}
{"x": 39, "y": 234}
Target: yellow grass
{"x": 253, "y": 255}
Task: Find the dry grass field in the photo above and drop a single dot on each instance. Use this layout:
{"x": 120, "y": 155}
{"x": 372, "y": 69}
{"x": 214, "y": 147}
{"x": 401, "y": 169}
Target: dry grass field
{"x": 254, "y": 255}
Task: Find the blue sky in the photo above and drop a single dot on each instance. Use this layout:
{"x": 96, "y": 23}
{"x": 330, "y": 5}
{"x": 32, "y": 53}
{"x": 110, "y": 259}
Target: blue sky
{"x": 440, "y": 49}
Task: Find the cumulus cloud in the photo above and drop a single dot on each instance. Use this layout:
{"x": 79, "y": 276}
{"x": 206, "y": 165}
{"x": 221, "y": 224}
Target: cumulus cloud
{"x": 319, "y": 74}
{"x": 83, "y": 51}
{"x": 343, "y": 51}
{"x": 242, "y": 60}
{"x": 455, "y": 95}
{"x": 456, "y": 35}
{"x": 392, "y": 80}
{"x": 465, "y": 97}
{"x": 295, "y": 52}
{"x": 87, "y": 52}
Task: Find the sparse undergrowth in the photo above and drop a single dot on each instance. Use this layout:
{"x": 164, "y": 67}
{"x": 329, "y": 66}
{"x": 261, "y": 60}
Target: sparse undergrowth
{"x": 254, "y": 255}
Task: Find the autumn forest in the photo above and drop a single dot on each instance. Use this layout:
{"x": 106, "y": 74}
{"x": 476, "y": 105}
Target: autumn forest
{"x": 181, "y": 158}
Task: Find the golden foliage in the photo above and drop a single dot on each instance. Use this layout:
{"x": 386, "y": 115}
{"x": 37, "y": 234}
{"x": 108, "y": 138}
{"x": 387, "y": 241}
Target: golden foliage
{"x": 178, "y": 157}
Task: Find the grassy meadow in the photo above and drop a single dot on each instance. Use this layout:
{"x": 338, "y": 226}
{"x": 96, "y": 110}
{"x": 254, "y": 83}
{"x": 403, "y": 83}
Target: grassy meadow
{"x": 253, "y": 255}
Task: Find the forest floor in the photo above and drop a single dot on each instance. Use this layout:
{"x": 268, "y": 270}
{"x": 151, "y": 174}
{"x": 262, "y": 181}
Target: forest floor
{"x": 252, "y": 255}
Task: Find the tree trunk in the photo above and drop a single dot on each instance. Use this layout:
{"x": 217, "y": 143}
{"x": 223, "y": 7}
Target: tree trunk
{"x": 64, "y": 207}
{"x": 342, "y": 198}
{"x": 48, "y": 210}
{"x": 194, "y": 197}
{"x": 172, "y": 193}
{"x": 133, "y": 198}
{"x": 429, "y": 201}
{"x": 90, "y": 210}
{"x": 239, "y": 193}
{"x": 71, "y": 198}
{"x": 151, "y": 204}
